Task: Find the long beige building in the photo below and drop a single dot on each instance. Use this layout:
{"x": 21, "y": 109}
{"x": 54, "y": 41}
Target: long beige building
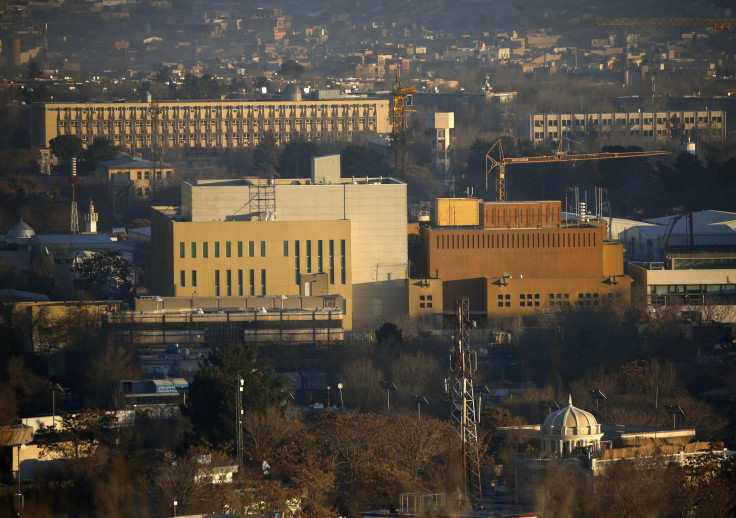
{"x": 277, "y": 232}
{"x": 709, "y": 125}
{"x": 208, "y": 124}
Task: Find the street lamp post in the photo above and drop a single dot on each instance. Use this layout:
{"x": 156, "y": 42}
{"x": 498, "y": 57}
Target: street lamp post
{"x": 175, "y": 504}
{"x": 389, "y": 386}
{"x": 339, "y": 387}
{"x": 54, "y": 388}
{"x": 329, "y": 387}
{"x": 419, "y": 400}
{"x": 239, "y": 418}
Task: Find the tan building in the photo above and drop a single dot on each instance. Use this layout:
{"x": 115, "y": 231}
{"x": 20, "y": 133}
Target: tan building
{"x": 208, "y": 124}
{"x": 135, "y": 176}
{"x": 352, "y": 230}
{"x": 709, "y": 125}
{"x": 514, "y": 259}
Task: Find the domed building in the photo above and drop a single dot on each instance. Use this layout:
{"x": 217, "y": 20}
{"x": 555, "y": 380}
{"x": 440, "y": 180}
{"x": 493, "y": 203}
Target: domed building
{"x": 20, "y": 230}
{"x": 569, "y": 428}
{"x": 291, "y": 93}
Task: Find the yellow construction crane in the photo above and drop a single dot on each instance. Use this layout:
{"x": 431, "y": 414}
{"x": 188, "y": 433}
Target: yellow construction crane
{"x": 402, "y": 99}
{"x": 560, "y": 156}
{"x": 719, "y": 24}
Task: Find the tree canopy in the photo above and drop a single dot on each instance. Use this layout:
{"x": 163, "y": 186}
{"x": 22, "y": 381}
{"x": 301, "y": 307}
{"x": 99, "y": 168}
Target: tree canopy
{"x": 110, "y": 272}
{"x": 212, "y": 395}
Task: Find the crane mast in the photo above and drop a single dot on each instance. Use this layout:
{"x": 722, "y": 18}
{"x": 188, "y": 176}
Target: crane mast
{"x": 402, "y": 100}
{"x": 463, "y": 364}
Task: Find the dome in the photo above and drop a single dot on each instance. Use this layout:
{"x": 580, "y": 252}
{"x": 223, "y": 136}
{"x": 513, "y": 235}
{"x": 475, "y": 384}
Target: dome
{"x": 570, "y": 421}
{"x": 291, "y": 93}
{"x": 568, "y": 429}
{"x": 21, "y": 231}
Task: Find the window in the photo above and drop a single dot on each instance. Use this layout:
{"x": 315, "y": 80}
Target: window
{"x": 309, "y": 256}
{"x": 205, "y": 250}
{"x": 319, "y": 256}
{"x": 240, "y": 249}
{"x": 263, "y": 282}
{"x": 342, "y": 261}
{"x": 252, "y": 279}
{"x": 194, "y": 278}
{"x": 286, "y": 249}
{"x": 194, "y": 249}
{"x": 181, "y": 249}
{"x": 227, "y": 249}
{"x": 263, "y": 249}
{"x": 332, "y": 261}
{"x": 240, "y": 283}
{"x": 217, "y": 283}
{"x": 228, "y": 282}
{"x": 251, "y": 249}
{"x": 297, "y": 263}
{"x": 182, "y": 279}
{"x": 217, "y": 249}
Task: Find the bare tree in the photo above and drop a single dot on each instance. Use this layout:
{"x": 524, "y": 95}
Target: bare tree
{"x": 266, "y": 430}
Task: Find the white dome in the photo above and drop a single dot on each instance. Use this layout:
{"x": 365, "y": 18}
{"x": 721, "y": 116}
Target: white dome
{"x": 21, "y": 230}
{"x": 570, "y": 420}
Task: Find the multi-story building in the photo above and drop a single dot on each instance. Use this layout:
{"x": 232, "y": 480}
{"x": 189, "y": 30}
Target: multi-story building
{"x": 134, "y": 177}
{"x": 208, "y": 124}
{"x": 258, "y": 237}
{"x": 706, "y": 125}
{"x": 513, "y": 259}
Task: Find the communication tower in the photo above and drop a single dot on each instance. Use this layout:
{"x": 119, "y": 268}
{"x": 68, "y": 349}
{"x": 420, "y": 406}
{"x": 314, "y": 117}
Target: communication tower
{"x": 74, "y": 180}
{"x": 463, "y": 365}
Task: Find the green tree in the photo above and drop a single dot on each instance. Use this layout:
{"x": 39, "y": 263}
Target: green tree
{"x": 389, "y": 334}
{"x": 66, "y": 147}
{"x": 212, "y": 395}
{"x": 110, "y": 272}
{"x": 296, "y": 157}
{"x": 33, "y": 71}
{"x": 266, "y": 155}
{"x": 291, "y": 70}
{"x": 359, "y": 161}
{"x": 100, "y": 150}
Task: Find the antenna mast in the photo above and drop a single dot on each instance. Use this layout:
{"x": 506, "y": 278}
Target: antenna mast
{"x": 74, "y": 180}
{"x": 463, "y": 364}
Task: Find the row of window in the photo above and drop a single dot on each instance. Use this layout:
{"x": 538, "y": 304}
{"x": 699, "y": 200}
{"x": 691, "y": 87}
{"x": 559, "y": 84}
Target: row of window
{"x": 425, "y": 301}
{"x": 205, "y": 247}
{"x": 530, "y": 300}
{"x": 527, "y": 240}
{"x": 228, "y": 289}
{"x": 144, "y": 112}
{"x": 164, "y": 127}
{"x": 320, "y": 262}
{"x": 204, "y": 139}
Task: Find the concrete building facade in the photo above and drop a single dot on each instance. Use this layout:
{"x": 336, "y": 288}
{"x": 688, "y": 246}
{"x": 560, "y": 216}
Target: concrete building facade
{"x": 709, "y": 125}
{"x": 518, "y": 258}
{"x": 208, "y": 124}
{"x": 353, "y": 230}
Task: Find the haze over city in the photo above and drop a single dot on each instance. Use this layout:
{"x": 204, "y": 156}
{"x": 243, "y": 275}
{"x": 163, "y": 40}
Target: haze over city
{"x": 340, "y": 259}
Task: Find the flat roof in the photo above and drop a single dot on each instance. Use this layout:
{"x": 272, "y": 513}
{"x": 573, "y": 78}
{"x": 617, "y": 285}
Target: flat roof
{"x": 262, "y": 182}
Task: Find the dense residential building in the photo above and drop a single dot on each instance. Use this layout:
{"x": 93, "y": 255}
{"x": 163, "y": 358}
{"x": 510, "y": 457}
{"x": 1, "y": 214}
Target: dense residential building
{"x": 208, "y": 124}
{"x": 706, "y": 124}
{"x": 512, "y": 259}
{"x": 286, "y": 237}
